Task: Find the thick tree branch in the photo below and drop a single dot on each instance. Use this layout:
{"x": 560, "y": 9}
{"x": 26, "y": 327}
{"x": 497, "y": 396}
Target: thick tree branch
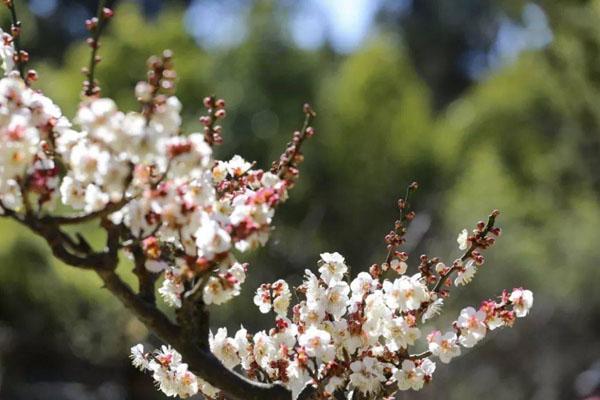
{"x": 78, "y": 219}
{"x": 147, "y": 313}
{"x": 146, "y": 279}
{"x": 192, "y": 342}
{"x": 200, "y": 360}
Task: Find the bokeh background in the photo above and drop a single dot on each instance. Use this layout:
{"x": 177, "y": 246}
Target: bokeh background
{"x": 487, "y": 103}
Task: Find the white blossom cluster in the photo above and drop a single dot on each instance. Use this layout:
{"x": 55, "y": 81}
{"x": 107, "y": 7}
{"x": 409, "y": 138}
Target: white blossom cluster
{"x": 171, "y": 375}
{"x": 357, "y": 335}
{"x": 163, "y": 187}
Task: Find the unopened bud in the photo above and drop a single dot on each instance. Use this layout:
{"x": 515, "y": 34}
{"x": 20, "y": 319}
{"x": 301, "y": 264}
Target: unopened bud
{"x": 107, "y": 13}
{"x": 439, "y": 267}
{"x": 91, "y": 24}
{"x": 167, "y": 54}
{"x": 208, "y": 102}
{"x": 375, "y": 271}
{"x": 143, "y": 91}
{"x": 399, "y": 266}
{"x": 32, "y": 75}
{"x": 15, "y": 31}
{"x": 307, "y": 109}
{"x": 24, "y": 56}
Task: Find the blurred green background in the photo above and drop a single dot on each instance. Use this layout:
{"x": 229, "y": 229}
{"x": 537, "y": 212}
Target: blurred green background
{"x": 487, "y": 103}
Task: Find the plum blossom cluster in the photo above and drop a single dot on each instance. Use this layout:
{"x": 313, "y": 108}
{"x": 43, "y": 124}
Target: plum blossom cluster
{"x": 171, "y": 375}
{"x": 357, "y": 335}
{"x": 162, "y": 188}
{"x": 184, "y": 218}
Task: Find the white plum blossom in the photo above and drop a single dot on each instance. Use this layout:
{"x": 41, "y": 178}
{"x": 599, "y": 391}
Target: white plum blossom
{"x": 281, "y": 297}
{"x": 335, "y": 299}
{"x": 522, "y": 301}
{"x": 215, "y": 292}
{"x": 224, "y": 348}
{"x": 171, "y": 290}
{"x": 264, "y": 349}
{"x": 243, "y": 346}
{"x": 472, "y": 326}
{"x": 211, "y": 238}
{"x": 465, "y": 274}
{"x": 362, "y": 285}
{"x": 413, "y": 376}
{"x": 317, "y": 344}
{"x": 399, "y": 335}
{"x": 369, "y": 325}
{"x": 445, "y": 346}
{"x": 405, "y": 293}
{"x": 333, "y": 267}
{"x": 376, "y": 313}
{"x": 463, "y": 240}
{"x": 171, "y": 375}
{"x": 139, "y": 359}
{"x": 73, "y": 193}
{"x": 367, "y": 375}
{"x": 95, "y": 198}
{"x": 276, "y": 296}
{"x": 143, "y": 91}
{"x": 7, "y": 52}
{"x": 298, "y": 377}
{"x": 433, "y": 309}
{"x": 262, "y": 299}
{"x": 219, "y": 172}
{"x": 238, "y": 166}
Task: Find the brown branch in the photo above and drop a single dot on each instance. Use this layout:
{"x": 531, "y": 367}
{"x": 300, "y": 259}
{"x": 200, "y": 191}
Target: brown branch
{"x": 58, "y": 243}
{"x": 287, "y": 165}
{"x": 146, "y": 279}
{"x": 474, "y": 246}
{"x": 201, "y": 361}
{"x": 21, "y": 56}
{"x": 236, "y": 387}
{"x": 190, "y": 339}
{"x": 96, "y": 25}
{"x": 401, "y": 225}
{"x": 419, "y": 356}
{"x": 147, "y": 313}
{"x": 78, "y": 219}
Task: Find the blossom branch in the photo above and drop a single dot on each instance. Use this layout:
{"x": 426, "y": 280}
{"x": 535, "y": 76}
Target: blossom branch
{"x": 146, "y": 279}
{"x": 79, "y": 219}
{"x": 287, "y": 165}
{"x": 396, "y": 237}
{"x": 477, "y": 242}
{"x": 95, "y": 25}
{"x": 20, "y": 57}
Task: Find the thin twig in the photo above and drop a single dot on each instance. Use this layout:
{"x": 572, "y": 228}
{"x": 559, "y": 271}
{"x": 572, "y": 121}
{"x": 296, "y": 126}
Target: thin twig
{"x": 90, "y": 85}
{"x": 16, "y": 33}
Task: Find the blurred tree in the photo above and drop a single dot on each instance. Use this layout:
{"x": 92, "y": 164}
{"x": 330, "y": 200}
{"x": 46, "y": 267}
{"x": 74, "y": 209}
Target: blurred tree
{"x": 448, "y": 41}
